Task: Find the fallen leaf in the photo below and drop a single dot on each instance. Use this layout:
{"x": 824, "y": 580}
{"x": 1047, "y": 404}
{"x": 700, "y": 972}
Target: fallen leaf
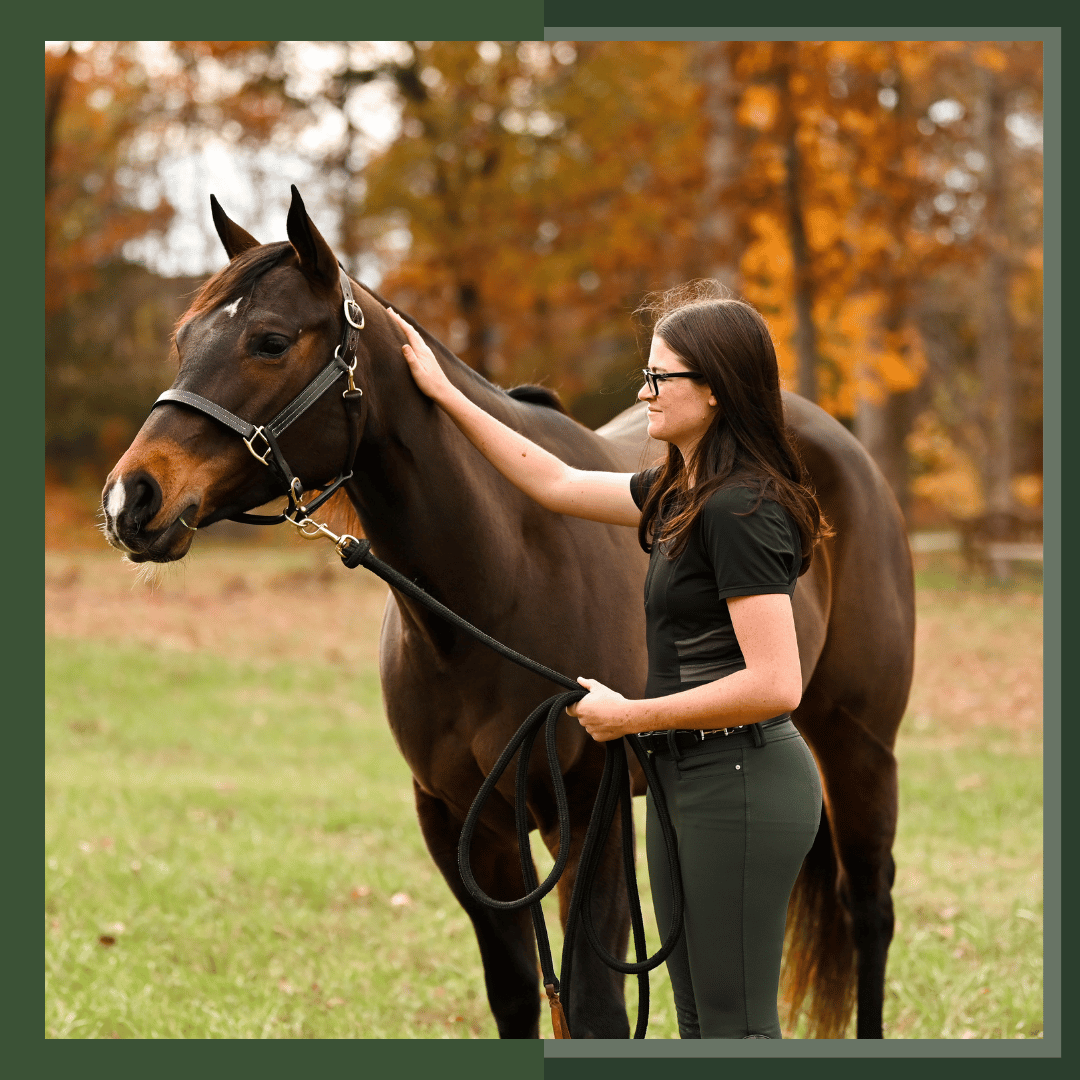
{"x": 107, "y": 939}
{"x": 360, "y": 892}
{"x": 400, "y": 899}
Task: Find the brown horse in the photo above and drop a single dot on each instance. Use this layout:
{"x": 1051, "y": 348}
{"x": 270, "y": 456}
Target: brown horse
{"x": 564, "y": 591}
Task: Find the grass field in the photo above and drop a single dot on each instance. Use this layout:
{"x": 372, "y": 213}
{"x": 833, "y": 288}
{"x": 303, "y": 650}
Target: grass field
{"x": 232, "y": 850}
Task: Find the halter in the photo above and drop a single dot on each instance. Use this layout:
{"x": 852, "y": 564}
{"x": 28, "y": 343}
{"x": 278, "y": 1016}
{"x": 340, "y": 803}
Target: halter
{"x": 267, "y": 450}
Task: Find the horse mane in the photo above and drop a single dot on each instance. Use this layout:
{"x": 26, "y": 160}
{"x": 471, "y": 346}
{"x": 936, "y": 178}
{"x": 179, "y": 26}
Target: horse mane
{"x": 237, "y": 278}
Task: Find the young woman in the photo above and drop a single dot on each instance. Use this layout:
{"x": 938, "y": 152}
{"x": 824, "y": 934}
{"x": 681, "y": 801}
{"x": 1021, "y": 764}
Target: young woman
{"x": 730, "y": 524}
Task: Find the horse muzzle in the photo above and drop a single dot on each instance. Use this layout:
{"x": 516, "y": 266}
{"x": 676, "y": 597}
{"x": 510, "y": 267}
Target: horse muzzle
{"x": 131, "y": 504}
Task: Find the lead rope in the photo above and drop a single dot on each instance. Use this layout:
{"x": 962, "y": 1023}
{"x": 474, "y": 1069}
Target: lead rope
{"x": 613, "y": 793}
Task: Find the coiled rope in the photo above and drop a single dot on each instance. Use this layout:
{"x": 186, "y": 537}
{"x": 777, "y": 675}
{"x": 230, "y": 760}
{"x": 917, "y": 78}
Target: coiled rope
{"x": 613, "y": 794}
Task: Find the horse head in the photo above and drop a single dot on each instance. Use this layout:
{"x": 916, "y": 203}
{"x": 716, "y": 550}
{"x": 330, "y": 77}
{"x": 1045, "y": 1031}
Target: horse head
{"x": 254, "y": 338}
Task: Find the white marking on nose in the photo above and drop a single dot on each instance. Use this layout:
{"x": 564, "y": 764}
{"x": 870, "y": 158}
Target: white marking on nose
{"x": 114, "y": 504}
{"x": 230, "y": 309}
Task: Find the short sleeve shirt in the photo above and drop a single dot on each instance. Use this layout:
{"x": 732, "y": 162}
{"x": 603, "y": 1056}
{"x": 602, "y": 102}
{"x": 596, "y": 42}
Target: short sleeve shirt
{"x": 730, "y": 552}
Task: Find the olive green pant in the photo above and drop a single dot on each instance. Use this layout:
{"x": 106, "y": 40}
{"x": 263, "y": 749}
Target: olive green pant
{"x": 745, "y": 817}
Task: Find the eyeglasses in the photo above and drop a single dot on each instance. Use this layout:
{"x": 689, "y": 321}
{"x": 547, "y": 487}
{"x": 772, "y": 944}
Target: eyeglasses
{"x": 653, "y": 379}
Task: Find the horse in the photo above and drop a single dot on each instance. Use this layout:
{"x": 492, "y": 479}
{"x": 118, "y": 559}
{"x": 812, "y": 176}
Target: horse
{"x": 564, "y": 591}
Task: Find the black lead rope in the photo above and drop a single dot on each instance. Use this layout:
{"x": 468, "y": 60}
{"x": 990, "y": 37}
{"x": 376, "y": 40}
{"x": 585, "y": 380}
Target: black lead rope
{"x": 613, "y": 794}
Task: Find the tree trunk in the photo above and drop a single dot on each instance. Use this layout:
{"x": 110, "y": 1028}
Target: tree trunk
{"x": 882, "y": 427}
{"x": 806, "y": 336}
{"x": 477, "y": 352}
{"x": 716, "y": 229}
{"x": 55, "y": 86}
{"x": 997, "y": 390}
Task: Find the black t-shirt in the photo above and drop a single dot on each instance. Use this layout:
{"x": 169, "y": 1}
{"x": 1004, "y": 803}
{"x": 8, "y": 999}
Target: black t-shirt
{"x": 687, "y": 624}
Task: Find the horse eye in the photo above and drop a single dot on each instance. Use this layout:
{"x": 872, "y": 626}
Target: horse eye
{"x": 273, "y": 345}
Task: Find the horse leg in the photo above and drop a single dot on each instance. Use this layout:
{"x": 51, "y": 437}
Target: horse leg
{"x": 861, "y": 795}
{"x": 597, "y": 1003}
{"x": 507, "y": 948}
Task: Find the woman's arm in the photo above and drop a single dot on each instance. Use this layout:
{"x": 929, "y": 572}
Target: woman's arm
{"x": 770, "y": 684}
{"x": 599, "y": 496}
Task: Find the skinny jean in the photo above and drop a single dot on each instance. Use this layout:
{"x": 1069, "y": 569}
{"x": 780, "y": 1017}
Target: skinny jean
{"x": 745, "y": 816}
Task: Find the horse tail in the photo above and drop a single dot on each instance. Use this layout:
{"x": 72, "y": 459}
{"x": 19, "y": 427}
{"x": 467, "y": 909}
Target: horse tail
{"x": 819, "y": 973}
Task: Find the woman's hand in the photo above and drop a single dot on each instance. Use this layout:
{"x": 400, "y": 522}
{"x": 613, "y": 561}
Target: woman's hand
{"x": 429, "y": 376}
{"x": 603, "y": 713}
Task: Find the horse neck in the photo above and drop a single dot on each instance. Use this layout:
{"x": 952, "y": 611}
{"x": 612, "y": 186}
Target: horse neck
{"x": 430, "y": 505}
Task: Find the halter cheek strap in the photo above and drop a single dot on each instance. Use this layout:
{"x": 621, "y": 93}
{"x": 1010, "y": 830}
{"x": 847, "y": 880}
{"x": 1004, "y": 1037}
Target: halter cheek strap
{"x": 261, "y": 439}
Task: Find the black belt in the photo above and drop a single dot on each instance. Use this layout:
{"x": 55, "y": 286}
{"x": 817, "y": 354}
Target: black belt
{"x": 681, "y": 739}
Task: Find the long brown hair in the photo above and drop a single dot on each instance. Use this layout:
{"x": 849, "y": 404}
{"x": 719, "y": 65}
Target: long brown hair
{"x": 748, "y": 443}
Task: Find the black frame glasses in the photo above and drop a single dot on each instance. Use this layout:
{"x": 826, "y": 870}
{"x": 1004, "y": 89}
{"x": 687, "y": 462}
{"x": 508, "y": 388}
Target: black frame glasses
{"x": 653, "y": 379}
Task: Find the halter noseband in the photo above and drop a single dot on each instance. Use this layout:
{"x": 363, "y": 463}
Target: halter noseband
{"x": 268, "y": 452}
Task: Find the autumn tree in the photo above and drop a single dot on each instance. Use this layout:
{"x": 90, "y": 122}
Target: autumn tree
{"x": 837, "y": 194}
{"x": 114, "y": 111}
{"x": 880, "y": 202}
{"x": 544, "y": 189}
{"x": 983, "y": 130}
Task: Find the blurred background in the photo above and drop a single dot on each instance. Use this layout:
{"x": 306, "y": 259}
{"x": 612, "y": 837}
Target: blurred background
{"x": 880, "y": 202}
{"x": 231, "y": 844}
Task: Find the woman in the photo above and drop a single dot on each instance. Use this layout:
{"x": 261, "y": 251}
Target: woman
{"x": 730, "y": 524}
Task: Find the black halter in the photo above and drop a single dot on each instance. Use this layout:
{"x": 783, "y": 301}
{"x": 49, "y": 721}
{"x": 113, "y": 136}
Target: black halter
{"x": 267, "y": 451}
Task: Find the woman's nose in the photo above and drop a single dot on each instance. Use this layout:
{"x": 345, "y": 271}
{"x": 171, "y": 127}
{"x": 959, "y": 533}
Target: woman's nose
{"x": 644, "y": 394}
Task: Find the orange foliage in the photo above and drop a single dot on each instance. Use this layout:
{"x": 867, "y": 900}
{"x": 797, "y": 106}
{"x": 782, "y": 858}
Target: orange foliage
{"x": 542, "y": 199}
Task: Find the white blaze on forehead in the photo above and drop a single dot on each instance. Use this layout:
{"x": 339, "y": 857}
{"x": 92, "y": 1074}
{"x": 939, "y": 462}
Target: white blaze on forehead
{"x": 230, "y": 309}
{"x": 115, "y": 502}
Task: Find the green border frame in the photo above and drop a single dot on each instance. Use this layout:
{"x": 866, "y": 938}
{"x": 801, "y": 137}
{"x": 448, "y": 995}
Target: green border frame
{"x": 474, "y": 19}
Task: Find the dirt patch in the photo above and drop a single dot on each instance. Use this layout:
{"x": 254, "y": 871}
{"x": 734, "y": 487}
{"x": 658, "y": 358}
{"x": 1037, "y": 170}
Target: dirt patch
{"x": 978, "y": 655}
{"x": 237, "y": 603}
{"x": 978, "y": 663}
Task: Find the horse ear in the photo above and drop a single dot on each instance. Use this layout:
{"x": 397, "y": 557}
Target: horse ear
{"x": 317, "y": 261}
{"x": 233, "y": 238}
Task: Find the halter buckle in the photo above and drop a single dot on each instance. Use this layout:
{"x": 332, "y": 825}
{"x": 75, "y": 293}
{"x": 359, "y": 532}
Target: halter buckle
{"x": 259, "y": 432}
{"x": 349, "y": 306}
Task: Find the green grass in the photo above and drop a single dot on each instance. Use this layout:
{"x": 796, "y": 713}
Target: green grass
{"x": 966, "y": 960}
{"x": 243, "y": 832}
{"x": 243, "y": 837}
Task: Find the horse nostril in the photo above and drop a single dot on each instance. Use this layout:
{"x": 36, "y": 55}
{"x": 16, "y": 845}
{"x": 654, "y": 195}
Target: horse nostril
{"x": 142, "y": 503}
